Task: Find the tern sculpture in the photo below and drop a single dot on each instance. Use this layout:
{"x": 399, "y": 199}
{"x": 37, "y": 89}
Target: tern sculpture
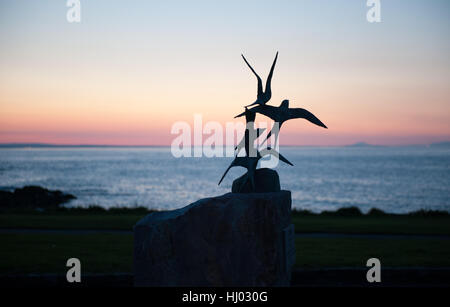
{"x": 283, "y": 113}
{"x": 278, "y": 114}
{"x": 250, "y": 163}
{"x": 262, "y": 97}
{"x": 251, "y": 134}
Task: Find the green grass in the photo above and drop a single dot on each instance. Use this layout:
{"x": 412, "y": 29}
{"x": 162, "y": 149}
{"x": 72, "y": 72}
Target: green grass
{"x": 303, "y": 224}
{"x": 373, "y": 225}
{"x": 110, "y": 253}
{"x": 70, "y": 221}
{"x": 48, "y": 253}
{"x": 107, "y": 253}
{"x": 354, "y": 252}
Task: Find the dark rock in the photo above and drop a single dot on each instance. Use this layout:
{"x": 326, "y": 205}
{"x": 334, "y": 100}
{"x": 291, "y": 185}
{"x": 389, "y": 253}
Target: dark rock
{"x": 266, "y": 180}
{"x": 33, "y": 197}
{"x": 229, "y": 240}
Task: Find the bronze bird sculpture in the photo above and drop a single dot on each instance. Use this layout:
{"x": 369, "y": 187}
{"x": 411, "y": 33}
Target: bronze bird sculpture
{"x": 262, "y": 97}
{"x": 250, "y": 163}
{"x": 283, "y": 113}
{"x": 251, "y": 134}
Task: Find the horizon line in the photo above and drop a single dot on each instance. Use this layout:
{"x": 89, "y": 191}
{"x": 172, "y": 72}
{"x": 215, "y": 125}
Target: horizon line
{"x": 355, "y": 144}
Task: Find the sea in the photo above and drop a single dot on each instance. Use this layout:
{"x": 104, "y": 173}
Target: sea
{"x": 393, "y": 179}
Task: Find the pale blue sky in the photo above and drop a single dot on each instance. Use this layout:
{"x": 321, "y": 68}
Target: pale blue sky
{"x": 373, "y": 82}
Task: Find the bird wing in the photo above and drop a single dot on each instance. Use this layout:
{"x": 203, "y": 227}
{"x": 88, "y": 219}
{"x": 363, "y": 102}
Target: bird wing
{"x": 238, "y": 161}
{"x": 244, "y": 113}
{"x": 270, "y": 134}
{"x": 239, "y": 115}
{"x": 260, "y": 89}
{"x": 240, "y": 145}
{"x": 302, "y": 113}
{"x": 269, "y": 111}
{"x": 269, "y": 78}
{"x": 282, "y": 158}
{"x": 246, "y": 110}
{"x": 273, "y": 152}
{"x": 231, "y": 165}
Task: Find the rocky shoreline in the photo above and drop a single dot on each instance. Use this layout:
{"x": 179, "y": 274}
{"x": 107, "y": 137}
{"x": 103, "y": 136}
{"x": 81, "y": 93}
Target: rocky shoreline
{"x": 33, "y": 197}
{"x": 38, "y": 198}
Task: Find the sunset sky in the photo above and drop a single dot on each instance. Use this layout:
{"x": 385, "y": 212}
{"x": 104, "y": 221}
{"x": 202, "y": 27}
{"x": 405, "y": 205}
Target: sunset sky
{"x": 131, "y": 69}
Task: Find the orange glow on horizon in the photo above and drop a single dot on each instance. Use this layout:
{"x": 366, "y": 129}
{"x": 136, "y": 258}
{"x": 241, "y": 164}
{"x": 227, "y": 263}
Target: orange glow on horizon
{"x": 125, "y": 80}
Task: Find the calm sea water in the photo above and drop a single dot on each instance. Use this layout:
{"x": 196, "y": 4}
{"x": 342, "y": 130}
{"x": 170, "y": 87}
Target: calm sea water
{"x": 395, "y": 179}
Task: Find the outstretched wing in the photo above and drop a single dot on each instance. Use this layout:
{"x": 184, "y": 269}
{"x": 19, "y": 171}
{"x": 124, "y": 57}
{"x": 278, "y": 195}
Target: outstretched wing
{"x": 268, "y": 136}
{"x": 240, "y": 145}
{"x": 239, "y": 115}
{"x": 269, "y": 111}
{"x": 269, "y": 78}
{"x": 231, "y": 165}
{"x": 247, "y": 110}
{"x": 302, "y": 113}
{"x": 282, "y": 158}
{"x": 260, "y": 89}
{"x": 273, "y": 152}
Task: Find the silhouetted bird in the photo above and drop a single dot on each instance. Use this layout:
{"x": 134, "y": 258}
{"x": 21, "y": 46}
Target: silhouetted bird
{"x": 262, "y": 97}
{"x": 284, "y": 113}
{"x": 250, "y": 163}
{"x": 245, "y": 142}
{"x": 249, "y": 136}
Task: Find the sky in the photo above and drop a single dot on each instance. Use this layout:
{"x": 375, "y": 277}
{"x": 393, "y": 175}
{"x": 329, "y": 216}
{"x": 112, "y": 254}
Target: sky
{"x": 131, "y": 69}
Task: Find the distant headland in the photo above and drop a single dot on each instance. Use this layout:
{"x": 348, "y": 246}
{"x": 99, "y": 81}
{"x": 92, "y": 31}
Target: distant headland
{"x": 362, "y": 144}
{"x": 50, "y": 145}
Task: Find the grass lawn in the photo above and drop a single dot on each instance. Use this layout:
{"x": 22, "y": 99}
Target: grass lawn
{"x": 354, "y": 252}
{"x": 70, "y": 221}
{"x": 48, "y": 253}
{"x": 373, "y": 225}
{"x": 110, "y": 253}
{"x": 303, "y": 224}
